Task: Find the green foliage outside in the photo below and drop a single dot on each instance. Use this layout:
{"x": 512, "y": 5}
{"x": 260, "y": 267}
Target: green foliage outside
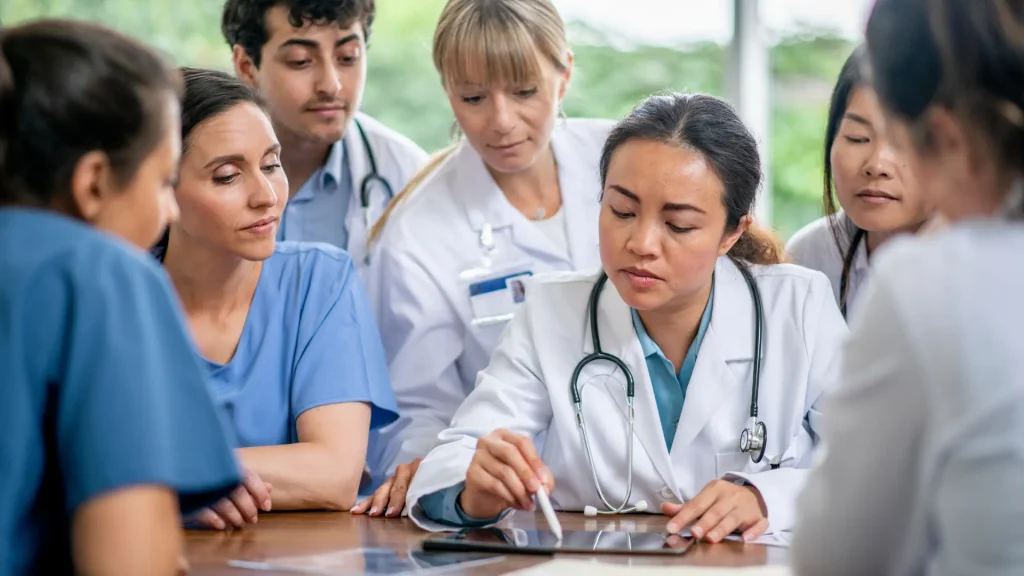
{"x": 610, "y": 76}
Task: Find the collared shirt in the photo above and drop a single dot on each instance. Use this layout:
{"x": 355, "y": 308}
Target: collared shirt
{"x": 670, "y": 386}
{"x": 669, "y": 392}
{"x": 318, "y": 210}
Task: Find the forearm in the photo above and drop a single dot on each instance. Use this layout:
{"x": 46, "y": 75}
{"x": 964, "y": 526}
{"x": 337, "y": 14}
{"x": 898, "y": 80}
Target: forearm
{"x": 307, "y": 475}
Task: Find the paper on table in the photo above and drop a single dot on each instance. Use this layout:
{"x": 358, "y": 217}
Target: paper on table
{"x": 562, "y": 567}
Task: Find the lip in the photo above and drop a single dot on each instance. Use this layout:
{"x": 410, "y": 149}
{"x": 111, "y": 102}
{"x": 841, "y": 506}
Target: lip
{"x": 641, "y": 279}
{"x": 507, "y": 148}
{"x": 327, "y": 111}
{"x": 875, "y": 196}
{"x": 264, "y": 226}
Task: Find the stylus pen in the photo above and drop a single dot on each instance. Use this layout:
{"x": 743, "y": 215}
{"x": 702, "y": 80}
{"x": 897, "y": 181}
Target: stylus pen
{"x": 549, "y": 512}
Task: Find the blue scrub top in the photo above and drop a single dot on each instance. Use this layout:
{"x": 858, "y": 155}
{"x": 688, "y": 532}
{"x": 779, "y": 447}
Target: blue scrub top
{"x": 309, "y": 340}
{"x": 98, "y": 378}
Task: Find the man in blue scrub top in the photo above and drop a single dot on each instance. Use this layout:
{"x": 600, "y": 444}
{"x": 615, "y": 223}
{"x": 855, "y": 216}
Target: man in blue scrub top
{"x": 312, "y": 77}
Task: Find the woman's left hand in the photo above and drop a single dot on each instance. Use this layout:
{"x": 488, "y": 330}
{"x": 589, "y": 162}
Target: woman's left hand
{"x": 718, "y": 510}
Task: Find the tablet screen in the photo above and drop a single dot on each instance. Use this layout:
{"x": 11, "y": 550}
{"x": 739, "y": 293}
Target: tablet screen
{"x": 514, "y": 540}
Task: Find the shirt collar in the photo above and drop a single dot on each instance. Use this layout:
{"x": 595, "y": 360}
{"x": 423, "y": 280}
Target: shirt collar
{"x": 331, "y": 172}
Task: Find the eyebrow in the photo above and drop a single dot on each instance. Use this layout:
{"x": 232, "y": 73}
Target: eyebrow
{"x": 307, "y": 43}
{"x": 668, "y": 207}
{"x": 857, "y": 118}
{"x": 234, "y": 158}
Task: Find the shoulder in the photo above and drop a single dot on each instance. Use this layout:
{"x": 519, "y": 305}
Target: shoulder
{"x": 415, "y": 221}
{"x": 791, "y": 285}
{"x": 398, "y": 144}
{"x": 311, "y": 263}
{"x": 814, "y": 246}
{"x": 550, "y": 288}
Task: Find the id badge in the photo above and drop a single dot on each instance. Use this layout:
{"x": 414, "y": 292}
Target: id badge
{"x": 496, "y": 293}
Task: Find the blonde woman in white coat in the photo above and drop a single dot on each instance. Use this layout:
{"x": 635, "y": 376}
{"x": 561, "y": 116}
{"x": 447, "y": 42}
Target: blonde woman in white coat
{"x": 516, "y": 197}
{"x": 679, "y": 177}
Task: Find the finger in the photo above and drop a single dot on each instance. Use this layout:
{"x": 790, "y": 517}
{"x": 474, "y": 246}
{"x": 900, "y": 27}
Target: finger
{"x": 694, "y": 509}
{"x": 529, "y": 453}
{"x": 363, "y": 506}
{"x": 243, "y": 500}
{"x": 398, "y": 491}
{"x": 756, "y": 531}
{"x": 508, "y": 476}
{"x": 484, "y": 483}
{"x": 259, "y": 490}
{"x": 227, "y": 510}
{"x": 183, "y": 566}
{"x": 207, "y": 517}
{"x": 509, "y": 455}
{"x": 670, "y": 508}
{"x": 712, "y": 518}
{"x": 380, "y": 499}
{"x": 727, "y": 525}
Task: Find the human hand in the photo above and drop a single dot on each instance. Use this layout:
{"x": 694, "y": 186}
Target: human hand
{"x": 505, "y": 473}
{"x": 391, "y": 495}
{"x": 719, "y": 509}
{"x": 241, "y": 507}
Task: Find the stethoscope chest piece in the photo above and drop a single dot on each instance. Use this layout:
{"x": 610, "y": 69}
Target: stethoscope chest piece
{"x": 754, "y": 439}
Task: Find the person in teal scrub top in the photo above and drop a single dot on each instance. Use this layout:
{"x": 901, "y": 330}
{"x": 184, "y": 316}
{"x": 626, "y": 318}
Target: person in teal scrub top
{"x": 284, "y": 329}
{"x": 97, "y": 373}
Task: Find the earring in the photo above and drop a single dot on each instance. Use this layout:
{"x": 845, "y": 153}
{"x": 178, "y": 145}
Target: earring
{"x": 455, "y": 132}
{"x": 561, "y": 113}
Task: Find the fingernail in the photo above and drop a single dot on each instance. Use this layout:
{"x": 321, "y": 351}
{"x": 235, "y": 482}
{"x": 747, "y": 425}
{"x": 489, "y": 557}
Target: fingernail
{"x": 373, "y": 511}
{"x": 353, "y": 509}
{"x": 698, "y": 532}
{"x": 219, "y": 524}
{"x": 390, "y": 511}
{"x": 254, "y": 519}
{"x": 713, "y": 536}
{"x": 266, "y": 505}
{"x": 672, "y": 528}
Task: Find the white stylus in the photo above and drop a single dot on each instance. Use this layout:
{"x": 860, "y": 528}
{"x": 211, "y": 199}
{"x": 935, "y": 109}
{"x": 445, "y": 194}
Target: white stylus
{"x": 549, "y": 512}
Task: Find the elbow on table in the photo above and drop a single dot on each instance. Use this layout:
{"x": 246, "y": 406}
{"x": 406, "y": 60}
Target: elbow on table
{"x": 342, "y": 492}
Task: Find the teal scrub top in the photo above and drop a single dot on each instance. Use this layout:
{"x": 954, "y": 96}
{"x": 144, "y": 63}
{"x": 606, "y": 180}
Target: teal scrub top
{"x": 100, "y": 386}
{"x": 309, "y": 340}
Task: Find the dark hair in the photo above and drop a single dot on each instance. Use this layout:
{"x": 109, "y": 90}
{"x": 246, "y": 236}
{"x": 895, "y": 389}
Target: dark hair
{"x": 244, "y": 21}
{"x": 845, "y": 233}
{"x": 69, "y": 88}
{"x": 711, "y": 127}
{"x": 208, "y": 94}
{"x": 965, "y": 56}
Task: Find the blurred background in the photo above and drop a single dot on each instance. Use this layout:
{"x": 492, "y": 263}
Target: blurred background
{"x": 624, "y": 51}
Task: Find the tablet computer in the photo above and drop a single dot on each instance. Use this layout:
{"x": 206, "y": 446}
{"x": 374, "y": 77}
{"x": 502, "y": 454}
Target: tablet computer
{"x": 516, "y": 541}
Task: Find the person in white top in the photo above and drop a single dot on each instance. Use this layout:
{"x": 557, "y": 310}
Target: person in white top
{"x": 923, "y": 452}
{"x": 871, "y": 182}
{"x": 689, "y": 299}
{"x": 516, "y": 197}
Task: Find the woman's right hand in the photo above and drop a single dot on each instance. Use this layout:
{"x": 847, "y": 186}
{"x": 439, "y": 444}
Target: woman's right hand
{"x": 505, "y": 473}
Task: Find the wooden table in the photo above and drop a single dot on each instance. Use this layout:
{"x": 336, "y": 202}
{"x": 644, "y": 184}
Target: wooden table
{"x": 302, "y": 533}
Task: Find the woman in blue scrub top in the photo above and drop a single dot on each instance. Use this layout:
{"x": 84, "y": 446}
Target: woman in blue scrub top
{"x": 284, "y": 330}
{"x": 96, "y": 366}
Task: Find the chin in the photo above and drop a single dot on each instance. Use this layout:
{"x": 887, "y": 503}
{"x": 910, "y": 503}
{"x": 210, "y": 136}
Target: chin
{"x": 641, "y": 300}
{"x": 257, "y": 252}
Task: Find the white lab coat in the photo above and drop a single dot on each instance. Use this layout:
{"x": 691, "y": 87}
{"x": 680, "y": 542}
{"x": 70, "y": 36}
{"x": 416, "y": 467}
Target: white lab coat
{"x": 525, "y": 389}
{"x": 423, "y": 309}
{"x": 814, "y": 247}
{"x": 398, "y": 159}
{"x": 923, "y": 457}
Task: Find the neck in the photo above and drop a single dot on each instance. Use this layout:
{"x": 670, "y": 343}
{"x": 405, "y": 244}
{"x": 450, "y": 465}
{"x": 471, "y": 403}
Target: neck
{"x": 300, "y": 157}
{"x": 674, "y": 328}
{"x": 874, "y": 240}
{"x": 210, "y": 282}
{"x": 534, "y": 191}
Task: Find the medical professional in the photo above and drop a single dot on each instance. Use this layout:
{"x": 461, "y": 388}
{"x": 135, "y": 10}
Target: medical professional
{"x": 923, "y": 457}
{"x": 285, "y": 330}
{"x": 308, "y": 59}
{"x": 516, "y": 197}
{"x": 684, "y": 377}
{"x": 870, "y": 192}
{"x": 97, "y": 372}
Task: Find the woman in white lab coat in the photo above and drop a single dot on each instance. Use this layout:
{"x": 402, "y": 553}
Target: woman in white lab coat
{"x": 871, "y": 183}
{"x": 679, "y": 176}
{"x": 923, "y": 447}
{"x": 517, "y": 196}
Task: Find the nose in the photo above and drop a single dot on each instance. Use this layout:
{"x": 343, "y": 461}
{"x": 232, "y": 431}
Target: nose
{"x": 263, "y": 194}
{"x": 642, "y": 239}
{"x": 503, "y": 117}
{"x": 328, "y": 80}
{"x": 882, "y": 162}
{"x": 169, "y": 208}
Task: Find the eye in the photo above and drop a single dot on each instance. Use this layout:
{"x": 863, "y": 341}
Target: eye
{"x": 227, "y": 178}
{"x": 526, "y": 93}
{"x": 351, "y": 58}
{"x": 680, "y": 229}
{"x": 621, "y": 215}
{"x": 857, "y": 139}
{"x": 297, "y": 64}
{"x": 472, "y": 99}
{"x": 271, "y": 168}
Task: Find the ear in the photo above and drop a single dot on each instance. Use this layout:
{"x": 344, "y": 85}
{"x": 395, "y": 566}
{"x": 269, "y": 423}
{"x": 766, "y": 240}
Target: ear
{"x": 245, "y": 68}
{"x": 949, "y": 141}
{"x": 566, "y": 77}
{"x": 91, "y": 185}
{"x": 730, "y": 239}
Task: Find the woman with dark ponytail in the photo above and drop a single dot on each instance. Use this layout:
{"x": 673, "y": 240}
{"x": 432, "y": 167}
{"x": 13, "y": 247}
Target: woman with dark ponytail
{"x": 97, "y": 371}
{"x": 692, "y": 299}
{"x": 925, "y": 459}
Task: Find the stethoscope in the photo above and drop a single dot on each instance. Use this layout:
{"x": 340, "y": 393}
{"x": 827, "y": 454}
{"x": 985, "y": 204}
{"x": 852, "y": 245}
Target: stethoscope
{"x": 370, "y": 178}
{"x": 753, "y": 439}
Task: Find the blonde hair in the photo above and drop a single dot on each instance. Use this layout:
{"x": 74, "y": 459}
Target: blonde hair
{"x": 489, "y": 42}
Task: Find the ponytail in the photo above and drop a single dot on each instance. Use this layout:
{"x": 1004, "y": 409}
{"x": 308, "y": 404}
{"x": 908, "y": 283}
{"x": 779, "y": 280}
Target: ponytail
{"x": 758, "y": 246}
{"x": 435, "y": 161}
